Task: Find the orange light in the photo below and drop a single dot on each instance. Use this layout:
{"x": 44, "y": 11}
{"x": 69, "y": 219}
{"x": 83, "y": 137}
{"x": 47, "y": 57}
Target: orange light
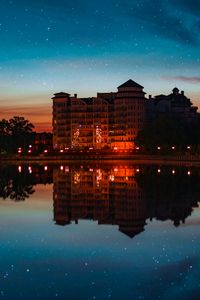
{"x": 115, "y": 148}
{"x": 61, "y": 168}
{"x": 61, "y": 151}
{"x": 137, "y": 170}
{"x": 115, "y": 169}
{"x": 137, "y": 148}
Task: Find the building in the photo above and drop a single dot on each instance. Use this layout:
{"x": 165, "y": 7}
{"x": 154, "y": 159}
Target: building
{"x": 175, "y": 104}
{"x": 107, "y": 121}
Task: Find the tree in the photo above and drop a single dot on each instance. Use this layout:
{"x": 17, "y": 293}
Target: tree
{"x": 14, "y": 133}
{"x": 168, "y": 131}
{"x": 19, "y": 126}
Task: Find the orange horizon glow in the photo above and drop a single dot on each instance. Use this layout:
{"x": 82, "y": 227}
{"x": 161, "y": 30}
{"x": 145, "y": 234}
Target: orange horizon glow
{"x": 39, "y": 115}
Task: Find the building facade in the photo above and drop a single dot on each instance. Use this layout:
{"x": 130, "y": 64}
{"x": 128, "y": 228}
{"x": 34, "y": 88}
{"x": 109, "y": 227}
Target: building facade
{"x": 107, "y": 121}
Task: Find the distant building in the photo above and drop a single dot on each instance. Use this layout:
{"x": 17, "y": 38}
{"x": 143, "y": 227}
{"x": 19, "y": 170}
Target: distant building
{"x": 175, "y": 104}
{"x": 110, "y": 120}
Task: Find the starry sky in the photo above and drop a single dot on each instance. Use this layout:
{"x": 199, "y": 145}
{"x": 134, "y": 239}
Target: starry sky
{"x": 85, "y": 46}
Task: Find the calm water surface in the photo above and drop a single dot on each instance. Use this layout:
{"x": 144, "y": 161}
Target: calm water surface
{"x": 99, "y": 232}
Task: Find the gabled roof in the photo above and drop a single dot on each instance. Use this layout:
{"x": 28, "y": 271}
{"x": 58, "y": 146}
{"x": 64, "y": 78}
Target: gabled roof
{"x": 130, "y": 83}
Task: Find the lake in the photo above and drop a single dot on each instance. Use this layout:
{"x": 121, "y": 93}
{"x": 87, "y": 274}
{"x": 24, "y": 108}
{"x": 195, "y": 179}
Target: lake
{"x": 99, "y": 231}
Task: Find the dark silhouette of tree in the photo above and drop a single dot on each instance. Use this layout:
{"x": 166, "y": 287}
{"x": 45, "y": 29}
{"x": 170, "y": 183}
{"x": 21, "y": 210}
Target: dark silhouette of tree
{"x": 14, "y": 133}
{"x": 19, "y": 126}
{"x": 167, "y": 131}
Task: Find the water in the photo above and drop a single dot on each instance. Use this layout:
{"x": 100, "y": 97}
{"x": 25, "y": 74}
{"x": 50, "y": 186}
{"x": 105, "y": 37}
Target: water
{"x": 99, "y": 232}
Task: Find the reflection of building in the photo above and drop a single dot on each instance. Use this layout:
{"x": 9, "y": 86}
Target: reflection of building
{"x": 107, "y": 196}
{"x": 110, "y": 120}
{"x": 123, "y": 196}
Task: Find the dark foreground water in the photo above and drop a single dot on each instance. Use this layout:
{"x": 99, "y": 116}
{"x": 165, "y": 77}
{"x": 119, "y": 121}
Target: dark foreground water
{"x": 99, "y": 232}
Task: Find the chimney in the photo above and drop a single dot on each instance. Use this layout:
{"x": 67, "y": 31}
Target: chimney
{"x": 182, "y": 93}
{"x": 75, "y": 95}
{"x": 150, "y": 96}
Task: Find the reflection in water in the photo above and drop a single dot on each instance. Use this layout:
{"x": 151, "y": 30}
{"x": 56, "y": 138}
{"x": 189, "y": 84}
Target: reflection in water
{"x": 117, "y": 195}
{"x": 16, "y": 183}
{"x": 124, "y": 196}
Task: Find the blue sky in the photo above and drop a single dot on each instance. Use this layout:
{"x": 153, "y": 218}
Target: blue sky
{"x": 88, "y": 46}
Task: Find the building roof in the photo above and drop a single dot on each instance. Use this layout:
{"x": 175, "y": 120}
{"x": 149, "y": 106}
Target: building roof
{"x": 61, "y": 95}
{"x": 130, "y": 83}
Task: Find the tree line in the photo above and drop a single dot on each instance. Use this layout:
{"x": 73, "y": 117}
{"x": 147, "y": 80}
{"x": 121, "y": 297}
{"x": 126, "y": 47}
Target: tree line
{"x": 169, "y": 131}
{"x": 14, "y": 133}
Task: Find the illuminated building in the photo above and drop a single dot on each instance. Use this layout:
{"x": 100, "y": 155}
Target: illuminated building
{"x": 110, "y": 120}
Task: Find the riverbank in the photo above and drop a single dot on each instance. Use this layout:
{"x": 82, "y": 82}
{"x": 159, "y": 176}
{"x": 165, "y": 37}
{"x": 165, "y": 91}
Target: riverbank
{"x": 102, "y": 158}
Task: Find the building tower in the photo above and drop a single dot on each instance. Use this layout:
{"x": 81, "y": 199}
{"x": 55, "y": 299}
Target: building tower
{"x": 129, "y": 114}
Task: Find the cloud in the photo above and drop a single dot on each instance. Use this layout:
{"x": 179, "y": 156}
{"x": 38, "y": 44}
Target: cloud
{"x": 184, "y": 78}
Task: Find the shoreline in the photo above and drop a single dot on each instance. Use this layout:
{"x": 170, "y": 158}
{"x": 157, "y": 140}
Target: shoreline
{"x": 103, "y": 158}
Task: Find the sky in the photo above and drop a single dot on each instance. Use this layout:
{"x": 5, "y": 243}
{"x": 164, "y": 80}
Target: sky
{"x": 85, "y": 47}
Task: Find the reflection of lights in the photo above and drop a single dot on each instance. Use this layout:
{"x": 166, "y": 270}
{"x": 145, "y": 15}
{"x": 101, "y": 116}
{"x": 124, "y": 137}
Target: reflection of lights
{"x": 45, "y": 168}
{"x": 61, "y": 168}
{"x": 189, "y": 173}
{"x": 159, "y": 170}
{"x": 30, "y": 169}
{"x": 19, "y": 169}
{"x": 111, "y": 177}
{"x": 173, "y": 171}
{"x": 77, "y": 177}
